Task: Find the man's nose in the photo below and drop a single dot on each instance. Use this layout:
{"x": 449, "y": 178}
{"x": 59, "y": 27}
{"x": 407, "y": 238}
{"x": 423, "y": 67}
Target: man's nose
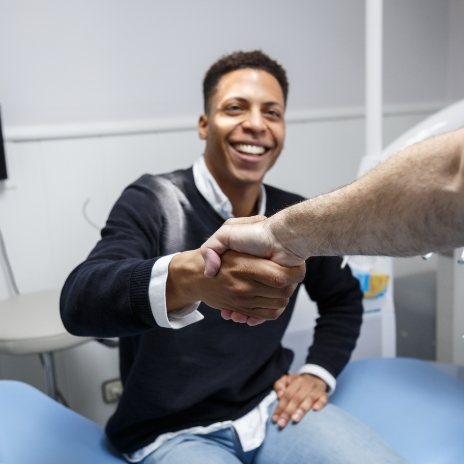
{"x": 255, "y": 121}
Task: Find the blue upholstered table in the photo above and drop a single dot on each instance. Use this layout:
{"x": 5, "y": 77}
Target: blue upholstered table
{"x": 415, "y": 405}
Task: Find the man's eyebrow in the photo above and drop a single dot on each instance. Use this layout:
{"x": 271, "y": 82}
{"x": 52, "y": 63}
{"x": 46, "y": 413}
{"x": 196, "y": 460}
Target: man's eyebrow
{"x": 236, "y": 97}
{"x": 246, "y": 100}
{"x": 272, "y": 102}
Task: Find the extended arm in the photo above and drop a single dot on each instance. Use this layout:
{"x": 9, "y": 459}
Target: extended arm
{"x": 411, "y": 204}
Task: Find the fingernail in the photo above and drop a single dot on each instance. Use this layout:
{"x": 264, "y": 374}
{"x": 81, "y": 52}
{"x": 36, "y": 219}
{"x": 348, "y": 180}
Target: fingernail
{"x": 281, "y": 423}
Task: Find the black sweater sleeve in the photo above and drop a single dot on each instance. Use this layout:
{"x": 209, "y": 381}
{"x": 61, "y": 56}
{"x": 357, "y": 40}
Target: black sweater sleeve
{"x": 339, "y": 301}
{"x": 107, "y": 295}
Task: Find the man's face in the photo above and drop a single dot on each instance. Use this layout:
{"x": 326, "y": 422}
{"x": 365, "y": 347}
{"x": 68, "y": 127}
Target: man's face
{"x": 244, "y": 129}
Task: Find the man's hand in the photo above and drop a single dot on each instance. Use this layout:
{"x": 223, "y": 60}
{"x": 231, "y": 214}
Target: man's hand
{"x": 250, "y": 235}
{"x": 245, "y": 285}
{"x": 298, "y": 394}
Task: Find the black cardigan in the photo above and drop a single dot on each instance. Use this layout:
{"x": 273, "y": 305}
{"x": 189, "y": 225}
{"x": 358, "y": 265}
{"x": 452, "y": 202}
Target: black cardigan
{"x": 210, "y": 371}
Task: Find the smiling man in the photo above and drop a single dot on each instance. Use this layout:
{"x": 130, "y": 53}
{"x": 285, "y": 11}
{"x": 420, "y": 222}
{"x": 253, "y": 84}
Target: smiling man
{"x": 198, "y": 388}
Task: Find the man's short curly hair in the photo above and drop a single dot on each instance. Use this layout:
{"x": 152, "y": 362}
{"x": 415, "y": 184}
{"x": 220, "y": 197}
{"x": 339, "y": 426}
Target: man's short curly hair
{"x": 255, "y": 59}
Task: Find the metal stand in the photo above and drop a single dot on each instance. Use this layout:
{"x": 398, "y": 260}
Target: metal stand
{"x": 450, "y": 316}
{"x": 48, "y": 363}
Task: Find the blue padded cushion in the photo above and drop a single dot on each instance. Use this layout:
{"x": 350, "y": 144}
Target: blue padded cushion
{"x": 415, "y": 405}
{"x": 36, "y": 429}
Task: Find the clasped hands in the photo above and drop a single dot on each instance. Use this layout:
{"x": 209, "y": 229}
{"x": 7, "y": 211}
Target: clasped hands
{"x": 269, "y": 262}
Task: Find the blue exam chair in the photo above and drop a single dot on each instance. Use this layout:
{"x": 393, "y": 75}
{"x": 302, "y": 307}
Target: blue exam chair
{"x": 417, "y": 407}
{"x": 34, "y": 428}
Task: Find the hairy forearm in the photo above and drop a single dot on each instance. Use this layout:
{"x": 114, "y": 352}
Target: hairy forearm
{"x": 411, "y": 204}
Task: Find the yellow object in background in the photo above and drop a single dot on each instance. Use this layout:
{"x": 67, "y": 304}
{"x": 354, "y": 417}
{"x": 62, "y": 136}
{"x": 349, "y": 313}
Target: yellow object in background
{"x": 377, "y": 285}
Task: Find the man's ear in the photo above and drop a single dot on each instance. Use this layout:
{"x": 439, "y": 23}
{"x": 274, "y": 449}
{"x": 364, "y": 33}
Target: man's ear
{"x": 203, "y": 127}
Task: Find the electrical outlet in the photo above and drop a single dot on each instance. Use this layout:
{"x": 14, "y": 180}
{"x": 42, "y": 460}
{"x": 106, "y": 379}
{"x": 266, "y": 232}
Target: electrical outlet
{"x": 111, "y": 390}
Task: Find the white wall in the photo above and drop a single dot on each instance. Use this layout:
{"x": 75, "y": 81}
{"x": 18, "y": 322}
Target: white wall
{"x": 416, "y": 40}
{"x": 122, "y": 60}
{"x": 111, "y": 68}
{"x": 106, "y": 60}
{"x": 455, "y": 55}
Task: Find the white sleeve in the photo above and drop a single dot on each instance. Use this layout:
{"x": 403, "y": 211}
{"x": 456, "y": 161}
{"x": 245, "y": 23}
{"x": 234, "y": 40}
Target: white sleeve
{"x": 157, "y": 296}
{"x": 320, "y": 372}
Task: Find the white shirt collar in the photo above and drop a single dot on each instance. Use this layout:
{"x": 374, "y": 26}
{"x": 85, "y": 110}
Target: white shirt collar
{"x": 209, "y": 188}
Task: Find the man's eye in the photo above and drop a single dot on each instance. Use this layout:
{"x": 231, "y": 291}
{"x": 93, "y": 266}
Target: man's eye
{"x": 274, "y": 114}
{"x": 233, "y": 108}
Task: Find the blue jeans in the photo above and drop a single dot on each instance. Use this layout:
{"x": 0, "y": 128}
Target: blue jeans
{"x": 330, "y": 436}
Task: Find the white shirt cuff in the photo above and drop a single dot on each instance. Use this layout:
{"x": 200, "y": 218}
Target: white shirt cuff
{"x": 157, "y": 296}
{"x": 320, "y": 372}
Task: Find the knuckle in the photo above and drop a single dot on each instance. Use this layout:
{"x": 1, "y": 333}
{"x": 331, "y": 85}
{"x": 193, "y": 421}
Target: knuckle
{"x": 299, "y": 397}
{"x": 274, "y": 304}
{"x": 293, "y": 406}
{"x": 239, "y": 288}
{"x": 278, "y": 385}
{"x": 279, "y": 280}
{"x": 301, "y": 272}
{"x": 282, "y": 403}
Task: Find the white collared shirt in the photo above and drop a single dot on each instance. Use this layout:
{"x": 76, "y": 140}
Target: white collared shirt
{"x": 252, "y": 426}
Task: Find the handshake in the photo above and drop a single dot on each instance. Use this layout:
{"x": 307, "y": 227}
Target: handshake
{"x": 274, "y": 269}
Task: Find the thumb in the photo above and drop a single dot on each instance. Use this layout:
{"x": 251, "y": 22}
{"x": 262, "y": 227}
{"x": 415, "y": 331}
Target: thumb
{"x": 212, "y": 261}
{"x": 211, "y": 252}
{"x": 220, "y": 242}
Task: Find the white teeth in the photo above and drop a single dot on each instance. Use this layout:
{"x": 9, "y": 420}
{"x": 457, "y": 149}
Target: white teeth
{"x": 250, "y": 149}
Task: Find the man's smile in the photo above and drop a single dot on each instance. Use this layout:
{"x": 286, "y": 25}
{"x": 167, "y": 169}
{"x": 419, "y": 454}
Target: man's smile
{"x": 250, "y": 149}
